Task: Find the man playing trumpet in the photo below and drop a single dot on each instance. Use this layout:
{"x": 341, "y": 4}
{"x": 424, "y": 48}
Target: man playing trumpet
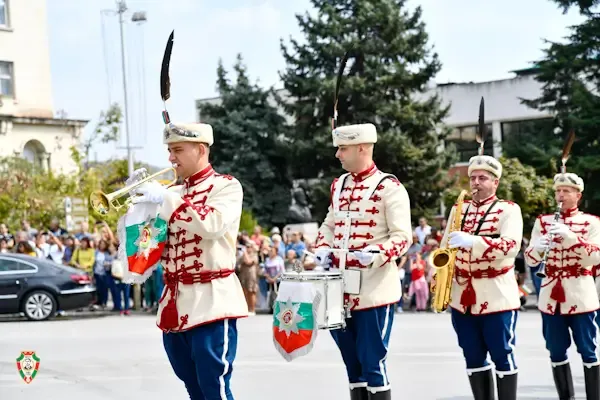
{"x": 202, "y": 298}
{"x": 568, "y": 299}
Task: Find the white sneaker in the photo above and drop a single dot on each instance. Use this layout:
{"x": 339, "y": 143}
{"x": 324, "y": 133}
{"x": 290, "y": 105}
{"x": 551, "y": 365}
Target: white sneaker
{"x": 251, "y": 313}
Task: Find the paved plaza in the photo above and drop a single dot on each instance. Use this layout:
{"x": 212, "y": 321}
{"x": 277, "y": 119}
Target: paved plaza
{"x": 121, "y": 358}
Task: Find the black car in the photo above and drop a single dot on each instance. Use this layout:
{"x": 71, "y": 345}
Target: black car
{"x": 38, "y": 287}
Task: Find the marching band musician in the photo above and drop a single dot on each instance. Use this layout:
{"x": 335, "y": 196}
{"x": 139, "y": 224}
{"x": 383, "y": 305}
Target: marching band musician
{"x": 369, "y": 210}
{"x": 568, "y": 297}
{"x": 485, "y": 294}
{"x": 202, "y": 297}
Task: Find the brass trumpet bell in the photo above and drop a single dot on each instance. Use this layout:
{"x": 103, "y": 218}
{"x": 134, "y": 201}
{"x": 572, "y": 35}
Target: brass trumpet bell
{"x": 102, "y": 203}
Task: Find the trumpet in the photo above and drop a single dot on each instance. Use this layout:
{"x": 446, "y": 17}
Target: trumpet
{"x": 102, "y": 203}
{"x": 541, "y": 273}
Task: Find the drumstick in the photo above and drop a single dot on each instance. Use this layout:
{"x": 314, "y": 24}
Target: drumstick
{"x": 344, "y": 251}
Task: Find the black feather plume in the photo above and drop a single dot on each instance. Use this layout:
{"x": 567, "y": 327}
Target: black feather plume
{"x": 165, "y": 82}
{"x": 337, "y": 89}
{"x": 480, "y": 136}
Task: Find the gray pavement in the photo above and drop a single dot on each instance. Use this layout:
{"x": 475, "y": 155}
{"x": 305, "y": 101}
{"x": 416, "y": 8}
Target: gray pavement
{"x": 121, "y": 357}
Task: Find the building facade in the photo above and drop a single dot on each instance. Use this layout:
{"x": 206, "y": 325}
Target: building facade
{"x": 505, "y": 114}
{"x": 28, "y": 126}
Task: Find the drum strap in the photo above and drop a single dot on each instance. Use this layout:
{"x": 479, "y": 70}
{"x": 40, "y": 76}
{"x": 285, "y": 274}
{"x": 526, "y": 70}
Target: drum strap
{"x": 348, "y": 216}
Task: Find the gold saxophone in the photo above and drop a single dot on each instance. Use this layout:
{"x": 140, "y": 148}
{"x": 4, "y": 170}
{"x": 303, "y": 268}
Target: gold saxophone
{"x": 442, "y": 260}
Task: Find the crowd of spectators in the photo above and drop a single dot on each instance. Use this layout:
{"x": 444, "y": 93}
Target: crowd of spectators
{"x": 93, "y": 251}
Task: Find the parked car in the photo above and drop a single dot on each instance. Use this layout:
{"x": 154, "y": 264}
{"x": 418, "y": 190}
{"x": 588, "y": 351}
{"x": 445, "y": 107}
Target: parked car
{"x": 37, "y": 287}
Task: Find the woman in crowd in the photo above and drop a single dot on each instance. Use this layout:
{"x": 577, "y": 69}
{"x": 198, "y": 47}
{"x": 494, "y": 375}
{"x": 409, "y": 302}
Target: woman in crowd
{"x": 84, "y": 256}
{"x": 248, "y": 275}
{"x": 102, "y": 263}
{"x": 418, "y": 285}
{"x": 273, "y": 268}
{"x": 26, "y": 248}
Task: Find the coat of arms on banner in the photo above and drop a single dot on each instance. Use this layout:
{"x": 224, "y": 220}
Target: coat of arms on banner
{"x": 28, "y": 364}
{"x": 295, "y": 323}
{"x": 143, "y": 236}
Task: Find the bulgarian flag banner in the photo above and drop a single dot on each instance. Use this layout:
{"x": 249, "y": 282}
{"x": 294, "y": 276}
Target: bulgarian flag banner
{"x": 295, "y": 323}
{"x": 142, "y": 239}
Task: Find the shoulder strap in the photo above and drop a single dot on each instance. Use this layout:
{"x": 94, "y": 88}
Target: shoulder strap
{"x": 462, "y": 223}
{"x": 335, "y": 201}
{"x": 482, "y": 220}
{"x": 372, "y": 188}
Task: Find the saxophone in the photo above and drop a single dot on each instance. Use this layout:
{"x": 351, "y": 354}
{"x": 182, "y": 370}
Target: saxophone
{"x": 442, "y": 260}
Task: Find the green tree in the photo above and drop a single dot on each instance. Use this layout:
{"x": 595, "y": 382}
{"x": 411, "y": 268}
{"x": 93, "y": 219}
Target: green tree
{"x": 521, "y": 184}
{"x": 390, "y": 65}
{"x": 585, "y": 6}
{"x": 30, "y": 193}
{"x": 570, "y": 75}
{"x": 107, "y": 129}
{"x": 250, "y": 143}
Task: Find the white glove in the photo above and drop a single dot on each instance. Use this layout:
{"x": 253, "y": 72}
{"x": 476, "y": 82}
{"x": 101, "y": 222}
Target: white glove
{"x": 561, "y": 230}
{"x": 136, "y": 176}
{"x": 322, "y": 256}
{"x": 151, "y": 192}
{"x": 460, "y": 239}
{"x": 541, "y": 243}
{"x": 367, "y": 255}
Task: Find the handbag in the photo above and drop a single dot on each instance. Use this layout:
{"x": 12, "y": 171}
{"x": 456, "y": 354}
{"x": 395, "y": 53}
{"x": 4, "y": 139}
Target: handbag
{"x": 116, "y": 269}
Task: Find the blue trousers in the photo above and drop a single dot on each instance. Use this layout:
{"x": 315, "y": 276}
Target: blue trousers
{"x": 364, "y": 346}
{"x": 479, "y": 335}
{"x": 102, "y": 286}
{"x": 537, "y": 282}
{"x": 558, "y": 339}
{"x": 203, "y": 358}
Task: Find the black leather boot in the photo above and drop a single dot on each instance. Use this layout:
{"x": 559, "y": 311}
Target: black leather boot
{"x": 563, "y": 380}
{"x": 386, "y": 395}
{"x": 507, "y": 386}
{"x": 482, "y": 385}
{"x": 592, "y": 382}
{"x": 359, "y": 393}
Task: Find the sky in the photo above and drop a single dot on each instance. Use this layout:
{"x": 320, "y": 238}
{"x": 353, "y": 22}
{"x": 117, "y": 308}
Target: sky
{"x": 475, "y": 40}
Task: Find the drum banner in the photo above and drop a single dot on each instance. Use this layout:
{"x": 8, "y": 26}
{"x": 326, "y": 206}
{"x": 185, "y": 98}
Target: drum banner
{"x": 295, "y": 324}
{"x": 142, "y": 238}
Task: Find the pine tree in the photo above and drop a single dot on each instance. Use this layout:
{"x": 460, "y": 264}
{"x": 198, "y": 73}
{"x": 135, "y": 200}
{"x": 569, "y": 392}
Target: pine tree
{"x": 389, "y": 67}
{"x": 585, "y": 6}
{"x": 249, "y": 143}
{"x": 570, "y": 75}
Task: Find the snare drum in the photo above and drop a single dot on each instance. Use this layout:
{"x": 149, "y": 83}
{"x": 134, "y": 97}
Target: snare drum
{"x": 331, "y": 287}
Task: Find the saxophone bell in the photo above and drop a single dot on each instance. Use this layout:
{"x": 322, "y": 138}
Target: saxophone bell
{"x": 442, "y": 260}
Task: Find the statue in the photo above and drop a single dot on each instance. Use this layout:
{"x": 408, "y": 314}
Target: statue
{"x": 299, "y": 211}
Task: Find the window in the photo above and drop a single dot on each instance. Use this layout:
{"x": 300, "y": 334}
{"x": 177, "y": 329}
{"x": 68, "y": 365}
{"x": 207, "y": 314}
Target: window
{"x": 14, "y": 266}
{"x": 466, "y": 145}
{"x": 521, "y": 129}
{"x": 6, "y": 79}
{"x": 3, "y": 12}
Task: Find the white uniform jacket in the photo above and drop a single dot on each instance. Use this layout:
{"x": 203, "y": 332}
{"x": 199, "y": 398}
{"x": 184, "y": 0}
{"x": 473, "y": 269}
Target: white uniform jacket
{"x": 369, "y": 208}
{"x": 199, "y": 258}
{"x": 484, "y": 278}
{"x": 570, "y": 271}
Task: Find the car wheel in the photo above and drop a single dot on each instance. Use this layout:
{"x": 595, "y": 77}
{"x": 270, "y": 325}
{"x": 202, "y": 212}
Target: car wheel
{"x": 39, "y": 305}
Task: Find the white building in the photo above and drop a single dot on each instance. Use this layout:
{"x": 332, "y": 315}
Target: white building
{"x": 504, "y": 113}
{"x": 27, "y": 124}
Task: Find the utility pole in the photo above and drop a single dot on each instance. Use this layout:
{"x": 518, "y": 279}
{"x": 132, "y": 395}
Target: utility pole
{"x": 137, "y": 17}
{"x": 121, "y": 8}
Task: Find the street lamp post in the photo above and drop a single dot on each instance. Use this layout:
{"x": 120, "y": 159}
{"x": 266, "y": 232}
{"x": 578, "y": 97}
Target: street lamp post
{"x": 121, "y": 8}
{"x": 138, "y": 17}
